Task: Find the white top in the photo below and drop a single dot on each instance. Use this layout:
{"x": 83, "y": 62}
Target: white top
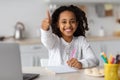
{"x": 60, "y": 50}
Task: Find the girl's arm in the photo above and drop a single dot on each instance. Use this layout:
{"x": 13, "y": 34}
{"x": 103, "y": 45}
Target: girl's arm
{"x": 89, "y": 58}
{"x": 48, "y": 39}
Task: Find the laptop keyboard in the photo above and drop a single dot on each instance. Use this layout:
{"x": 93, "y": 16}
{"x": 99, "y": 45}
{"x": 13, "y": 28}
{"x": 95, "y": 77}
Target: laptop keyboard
{"x": 29, "y": 76}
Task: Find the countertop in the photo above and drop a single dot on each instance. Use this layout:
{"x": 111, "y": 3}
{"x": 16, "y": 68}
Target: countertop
{"x": 46, "y": 74}
{"x": 38, "y": 41}
{"x": 27, "y": 41}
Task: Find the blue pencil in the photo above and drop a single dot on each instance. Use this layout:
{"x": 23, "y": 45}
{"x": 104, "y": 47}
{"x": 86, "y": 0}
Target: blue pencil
{"x": 104, "y": 59}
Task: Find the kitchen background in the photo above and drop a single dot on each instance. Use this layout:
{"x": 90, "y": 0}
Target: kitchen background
{"x": 32, "y": 12}
{"x": 103, "y": 20}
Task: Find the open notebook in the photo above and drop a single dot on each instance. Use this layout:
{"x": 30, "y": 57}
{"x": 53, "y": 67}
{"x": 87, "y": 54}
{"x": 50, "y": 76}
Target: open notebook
{"x": 61, "y": 69}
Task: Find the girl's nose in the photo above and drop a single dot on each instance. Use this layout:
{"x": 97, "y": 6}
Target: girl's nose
{"x": 68, "y": 24}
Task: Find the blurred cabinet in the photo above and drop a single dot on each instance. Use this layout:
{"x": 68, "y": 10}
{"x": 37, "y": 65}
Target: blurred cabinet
{"x": 109, "y": 47}
{"x": 31, "y": 54}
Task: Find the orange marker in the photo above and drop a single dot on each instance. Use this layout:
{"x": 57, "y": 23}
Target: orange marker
{"x": 104, "y": 54}
{"x": 110, "y": 59}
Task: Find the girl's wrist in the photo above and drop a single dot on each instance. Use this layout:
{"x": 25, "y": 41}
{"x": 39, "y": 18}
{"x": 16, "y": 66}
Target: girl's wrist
{"x": 80, "y": 65}
{"x": 46, "y": 29}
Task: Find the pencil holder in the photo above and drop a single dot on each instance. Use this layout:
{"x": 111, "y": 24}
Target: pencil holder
{"x": 119, "y": 72}
{"x": 111, "y": 71}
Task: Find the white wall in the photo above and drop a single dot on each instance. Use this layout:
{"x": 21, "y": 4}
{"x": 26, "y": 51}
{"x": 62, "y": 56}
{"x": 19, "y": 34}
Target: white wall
{"x": 30, "y": 12}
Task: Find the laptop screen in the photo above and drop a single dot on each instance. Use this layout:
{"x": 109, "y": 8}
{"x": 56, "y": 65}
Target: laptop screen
{"x": 10, "y": 62}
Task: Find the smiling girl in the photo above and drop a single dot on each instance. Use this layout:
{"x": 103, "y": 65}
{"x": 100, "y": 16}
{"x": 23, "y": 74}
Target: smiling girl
{"x": 64, "y": 33}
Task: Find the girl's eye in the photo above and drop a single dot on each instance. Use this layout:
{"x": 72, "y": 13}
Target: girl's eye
{"x": 73, "y": 21}
{"x": 64, "y": 22}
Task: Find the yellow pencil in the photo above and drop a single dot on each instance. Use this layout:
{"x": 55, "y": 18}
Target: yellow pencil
{"x": 110, "y": 59}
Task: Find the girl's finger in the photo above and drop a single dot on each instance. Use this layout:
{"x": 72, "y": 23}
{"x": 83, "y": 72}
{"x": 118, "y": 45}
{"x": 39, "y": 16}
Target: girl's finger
{"x": 48, "y": 16}
{"x": 74, "y": 64}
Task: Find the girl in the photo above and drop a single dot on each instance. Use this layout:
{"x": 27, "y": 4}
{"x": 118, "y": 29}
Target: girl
{"x": 64, "y": 37}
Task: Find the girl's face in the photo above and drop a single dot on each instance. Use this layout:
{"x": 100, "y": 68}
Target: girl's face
{"x": 67, "y": 23}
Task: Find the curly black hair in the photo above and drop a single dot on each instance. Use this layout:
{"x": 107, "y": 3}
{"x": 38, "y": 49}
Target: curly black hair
{"x": 80, "y": 18}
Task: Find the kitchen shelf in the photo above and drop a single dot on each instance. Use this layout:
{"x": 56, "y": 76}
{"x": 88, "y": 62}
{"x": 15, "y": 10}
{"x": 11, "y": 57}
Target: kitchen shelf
{"x": 38, "y": 41}
{"x": 104, "y": 38}
{"x": 29, "y": 41}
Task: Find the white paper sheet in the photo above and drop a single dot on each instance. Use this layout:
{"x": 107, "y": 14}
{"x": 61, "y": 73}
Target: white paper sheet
{"x": 61, "y": 69}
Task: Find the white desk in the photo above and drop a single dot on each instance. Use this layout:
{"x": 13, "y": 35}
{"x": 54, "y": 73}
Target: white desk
{"x": 47, "y": 75}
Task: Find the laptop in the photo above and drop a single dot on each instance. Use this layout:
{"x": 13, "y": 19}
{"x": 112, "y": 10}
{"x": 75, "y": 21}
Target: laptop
{"x": 10, "y": 63}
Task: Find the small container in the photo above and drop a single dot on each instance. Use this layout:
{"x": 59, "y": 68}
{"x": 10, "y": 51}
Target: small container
{"x": 111, "y": 71}
{"x": 101, "y": 32}
{"x": 19, "y": 28}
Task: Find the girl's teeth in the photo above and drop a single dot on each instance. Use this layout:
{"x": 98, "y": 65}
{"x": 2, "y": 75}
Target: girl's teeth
{"x": 68, "y": 30}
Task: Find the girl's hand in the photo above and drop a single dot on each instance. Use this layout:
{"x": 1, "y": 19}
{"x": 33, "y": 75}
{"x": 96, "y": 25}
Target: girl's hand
{"x": 74, "y": 63}
{"x": 46, "y": 22}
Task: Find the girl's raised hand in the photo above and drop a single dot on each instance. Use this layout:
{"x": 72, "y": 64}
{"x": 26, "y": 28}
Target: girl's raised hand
{"x": 46, "y": 22}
